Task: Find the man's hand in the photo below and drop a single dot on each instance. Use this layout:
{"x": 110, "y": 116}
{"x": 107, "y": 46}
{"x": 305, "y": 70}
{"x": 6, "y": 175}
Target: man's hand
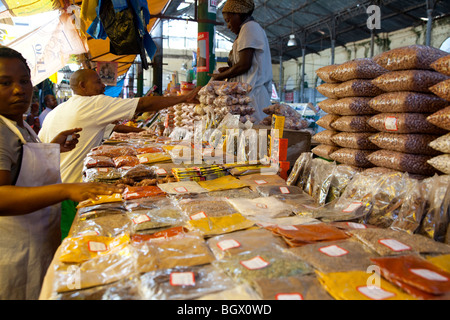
{"x": 67, "y": 139}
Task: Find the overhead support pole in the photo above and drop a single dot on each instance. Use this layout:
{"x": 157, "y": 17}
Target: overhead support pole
{"x": 206, "y": 52}
{"x": 430, "y": 9}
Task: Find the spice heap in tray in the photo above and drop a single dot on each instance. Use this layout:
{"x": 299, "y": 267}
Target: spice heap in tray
{"x": 247, "y": 234}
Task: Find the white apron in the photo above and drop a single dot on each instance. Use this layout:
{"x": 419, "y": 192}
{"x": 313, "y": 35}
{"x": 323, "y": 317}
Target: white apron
{"x": 28, "y": 242}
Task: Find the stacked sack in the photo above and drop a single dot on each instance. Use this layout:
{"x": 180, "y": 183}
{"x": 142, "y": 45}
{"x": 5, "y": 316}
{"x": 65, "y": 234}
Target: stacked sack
{"x": 293, "y": 119}
{"x": 404, "y": 134}
{"x": 222, "y": 97}
{"x": 349, "y": 89}
{"x": 441, "y": 118}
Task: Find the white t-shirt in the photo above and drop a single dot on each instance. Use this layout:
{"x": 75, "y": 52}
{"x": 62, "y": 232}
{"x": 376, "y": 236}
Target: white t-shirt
{"x": 93, "y": 114}
{"x": 260, "y": 74}
{"x": 43, "y": 114}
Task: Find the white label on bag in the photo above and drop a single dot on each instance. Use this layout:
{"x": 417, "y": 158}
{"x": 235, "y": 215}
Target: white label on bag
{"x": 260, "y": 181}
{"x": 284, "y": 190}
{"x": 333, "y": 251}
{"x": 180, "y": 189}
{"x": 429, "y": 274}
{"x": 160, "y": 171}
{"x": 95, "y": 246}
{"x": 355, "y": 225}
{"x": 391, "y": 123}
{"x": 375, "y": 293}
{"x": 141, "y": 219}
{"x": 88, "y": 233}
{"x": 352, "y": 207}
{"x": 293, "y": 228}
{"x": 289, "y": 296}
{"x": 199, "y": 215}
{"x": 102, "y": 169}
{"x": 261, "y": 205}
{"x": 228, "y": 244}
{"x": 255, "y": 263}
{"x": 182, "y": 279}
{"x": 394, "y": 245}
{"x": 143, "y": 159}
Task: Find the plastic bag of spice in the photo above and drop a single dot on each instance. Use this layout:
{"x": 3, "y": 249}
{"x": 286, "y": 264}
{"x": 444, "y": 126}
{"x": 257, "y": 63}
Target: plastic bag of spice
{"x": 138, "y": 172}
{"x": 267, "y": 191}
{"x": 261, "y": 207}
{"x": 320, "y": 179}
{"x": 142, "y": 192}
{"x": 182, "y": 187}
{"x": 416, "y": 272}
{"x": 223, "y": 183}
{"x": 255, "y": 180}
{"x": 442, "y": 65}
{"x": 188, "y": 249}
{"x": 388, "y": 242}
{"x": 364, "y": 68}
{"x": 409, "y": 57}
{"x": 441, "y": 118}
{"x": 352, "y": 157}
{"x": 243, "y": 242}
{"x": 407, "y": 143}
{"x": 335, "y": 256}
{"x": 269, "y": 263}
{"x": 324, "y": 150}
{"x": 404, "y": 123}
{"x": 353, "y": 285}
{"x": 302, "y": 287}
{"x": 325, "y": 73}
{"x": 406, "y": 162}
{"x": 211, "y": 226}
{"x": 341, "y": 177}
{"x": 405, "y": 101}
{"x": 112, "y": 151}
{"x": 98, "y": 161}
{"x": 101, "y": 270}
{"x": 353, "y": 106}
{"x": 441, "y": 163}
{"x": 327, "y": 89}
{"x": 205, "y": 207}
{"x": 353, "y": 124}
{"x": 441, "y": 144}
{"x": 235, "y": 193}
{"x": 301, "y": 167}
{"x": 101, "y": 174}
{"x": 106, "y": 226}
{"x": 184, "y": 283}
{"x": 358, "y": 88}
{"x": 409, "y": 80}
{"x": 354, "y": 140}
{"x": 147, "y": 219}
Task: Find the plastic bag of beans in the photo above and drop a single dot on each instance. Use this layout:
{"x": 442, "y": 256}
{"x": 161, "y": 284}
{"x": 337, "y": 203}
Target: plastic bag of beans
{"x": 324, "y": 151}
{"x": 357, "y": 88}
{"x": 442, "y": 65}
{"x": 324, "y": 137}
{"x": 364, "y": 68}
{"x": 411, "y": 163}
{"x": 407, "y": 101}
{"x": 327, "y": 89}
{"x": 442, "y": 89}
{"x": 442, "y": 163}
{"x": 409, "y": 57}
{"x": 353, "y": 106}
{"x": 441, "y": 144}
{"x": 327, "y": 105}
{"x": 324, "y": 73}
{"x": 352, "y": 157}
{"x": 354, "y": 140}
{"x": 408, "y": 80}
{"x": 352, "y": 124}
{"x": 409, "y": 143}
{"x": 441, "y": 118}
{"x": 326, "y": 121}
{"x": 404, "y": 123}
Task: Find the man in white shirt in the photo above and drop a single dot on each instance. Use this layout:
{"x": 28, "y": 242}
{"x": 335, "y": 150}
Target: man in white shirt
{"x": 50, "y": 103}
{"x": 92, "y": 111}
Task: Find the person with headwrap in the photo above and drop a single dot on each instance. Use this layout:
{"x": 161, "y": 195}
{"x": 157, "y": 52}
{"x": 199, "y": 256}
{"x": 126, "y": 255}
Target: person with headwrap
{"x": 249, "y": 60}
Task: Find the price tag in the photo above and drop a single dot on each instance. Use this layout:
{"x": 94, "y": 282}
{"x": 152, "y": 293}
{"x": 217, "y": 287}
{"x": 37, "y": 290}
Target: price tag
{"x": 289, "y": 296}
{"x": 429, "y": 274}
{"x": 391, "y": 123}
{"x": 228, "y": 244}
{"x": 394, "y": 245}
{"x": 141, "y": 219}
{"x": 95, "y": 246}
{"x": 352, "y": 207}
{"x": 260, "y": 182}
{"x": 284, "y": 190}
{"x": 182, "y": 279}
{"x": 255, "y": 263}
{"x": 355, "y": 225}
{"x": 180, "y": 189}
{"x": 197, "y": 216}
{"x": 375, "y": 293}
{"x": 292, "y": 228}
{"x": 261, "y": 205}
{"x": 143, "y": 159}
{"x": 160, "y": 171}
{"x": 333, "y": 251}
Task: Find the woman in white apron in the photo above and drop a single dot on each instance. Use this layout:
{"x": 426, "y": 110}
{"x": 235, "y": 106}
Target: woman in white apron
{"x": 250, "y": 60}
{"x": 29, "y": 239}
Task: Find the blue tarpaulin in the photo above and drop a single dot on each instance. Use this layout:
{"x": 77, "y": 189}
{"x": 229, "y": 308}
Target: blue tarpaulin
{"x": 114, "y": 91}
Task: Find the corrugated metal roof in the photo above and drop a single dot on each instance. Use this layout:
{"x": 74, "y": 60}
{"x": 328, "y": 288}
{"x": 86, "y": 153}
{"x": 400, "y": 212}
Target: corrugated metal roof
{"x": 312, "y": 21}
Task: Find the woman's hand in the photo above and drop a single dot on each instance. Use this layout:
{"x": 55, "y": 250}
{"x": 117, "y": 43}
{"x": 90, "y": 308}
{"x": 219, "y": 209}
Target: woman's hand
{"x": 84, "y": 191}
{"x": 67, "y": 139}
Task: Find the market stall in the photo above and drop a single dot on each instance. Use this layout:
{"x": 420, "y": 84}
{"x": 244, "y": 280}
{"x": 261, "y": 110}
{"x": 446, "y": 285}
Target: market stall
{"x": 204, "y": 216}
